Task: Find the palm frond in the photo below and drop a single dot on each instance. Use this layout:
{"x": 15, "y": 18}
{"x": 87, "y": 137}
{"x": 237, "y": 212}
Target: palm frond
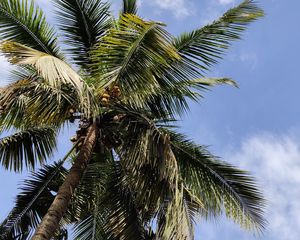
{"x": 149, "y": 161}
{"x": 27, "y": 102}
{"x": 92, "y": 216}
{"x": 145, "y": 145}
{"x": 165, "y": 102}
{"x": 129, "y": 6}
{"x": 123, "y": 221}
{"x": 23, "y": 22}
{"x": 32, "y": 203}
{"x": 48, "y": 105}
{"x": 132, "y": 56}
{"x": 52, "y": 70}
{"x": 148, "y": 76}
{"x": 229, "y": 189}
{"x": 83, "y": 23}
{"x": 171, "y": 101}
{"x": 201, "y": 48}
{"x": 27, "y": 148}
{"x": 33, "y": 101}
{"x": 151, "y": 165}
{"x": 198, "y": 50}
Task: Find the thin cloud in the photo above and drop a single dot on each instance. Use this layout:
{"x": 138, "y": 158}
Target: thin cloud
{"x": 180, "y": 8}
{"x": 249, "y": 58}
{"x": 226, "y": 2}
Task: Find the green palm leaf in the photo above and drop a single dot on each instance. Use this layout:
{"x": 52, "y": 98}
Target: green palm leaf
{"x": 48, "y": 105}
{"x": 33, "y": 101}
{"x": 145, "y": 145}
{"x": 83, "y": 22}
{"x": 228, "y": 186}
{"x": 23, "y": 22}
{"x": 27, "y": 148}
{"x": 149, "y": 160}
{"x": 132, "y": 56}
{"x": 201, "y": 48}
{"x": 91, "y": 216}
{"x": 202, "y": 83}
{"x": 90, "y": 192}
{"x": 169, "y": 101}
{"x": 32, "y": 203}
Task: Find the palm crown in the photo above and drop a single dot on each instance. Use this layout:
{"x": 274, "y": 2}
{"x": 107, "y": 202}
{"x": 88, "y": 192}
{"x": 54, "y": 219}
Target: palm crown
{"x": 133, "y": 176}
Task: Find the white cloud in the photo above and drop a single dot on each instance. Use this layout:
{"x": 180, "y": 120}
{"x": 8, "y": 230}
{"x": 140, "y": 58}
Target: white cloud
{"x": 225, "y": 2}
{"x": 275, "y": 161}
{"x": 249, "y": 58}
{"x": 180, "y": 8}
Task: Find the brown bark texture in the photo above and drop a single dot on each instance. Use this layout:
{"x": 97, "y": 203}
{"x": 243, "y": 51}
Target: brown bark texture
{"x": 58, "y": 208}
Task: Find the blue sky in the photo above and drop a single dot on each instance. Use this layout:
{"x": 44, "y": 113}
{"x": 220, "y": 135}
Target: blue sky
{"x": 255, "y": 127}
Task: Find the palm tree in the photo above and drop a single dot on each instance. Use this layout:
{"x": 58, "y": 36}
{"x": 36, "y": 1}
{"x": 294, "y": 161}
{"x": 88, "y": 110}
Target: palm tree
{"x": 124, "y": 84}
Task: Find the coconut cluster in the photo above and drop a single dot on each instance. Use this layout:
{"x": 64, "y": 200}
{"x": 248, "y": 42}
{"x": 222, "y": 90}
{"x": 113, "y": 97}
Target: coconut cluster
{"x": 110, "y": 94}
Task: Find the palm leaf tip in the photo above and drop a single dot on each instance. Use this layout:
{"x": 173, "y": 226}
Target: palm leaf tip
{"x": 249, "y": 197}
{"x": 252, "y": 10}
{"x": 238, "y": 17}
{"x": 214, "y": 81}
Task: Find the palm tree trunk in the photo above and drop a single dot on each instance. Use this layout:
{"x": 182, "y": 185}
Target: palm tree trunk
{"x": 50, "y": 222}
